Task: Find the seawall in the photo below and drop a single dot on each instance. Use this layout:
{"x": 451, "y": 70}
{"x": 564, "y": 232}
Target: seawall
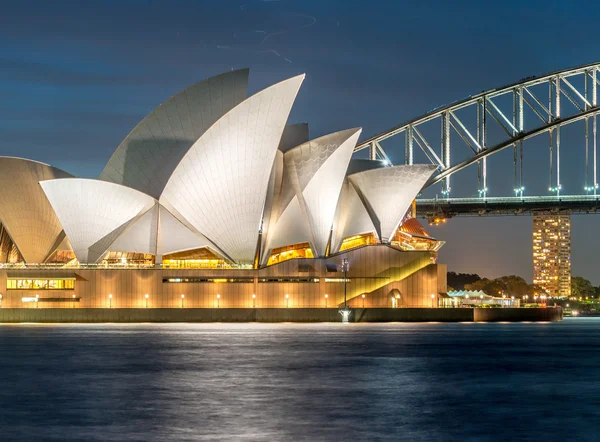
{"x": 133, "y": 315}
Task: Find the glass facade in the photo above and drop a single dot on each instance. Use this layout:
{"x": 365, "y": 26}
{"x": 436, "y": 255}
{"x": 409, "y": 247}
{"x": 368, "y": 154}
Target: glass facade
{"x": 40, "y": 284}
{"x": 286, "y": 253}
{"x": 357, "y": 241}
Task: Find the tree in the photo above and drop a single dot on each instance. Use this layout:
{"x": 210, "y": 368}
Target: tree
{"x": 491, "y": 287}
{"x": 458, "y": 280}
{"x": 581, "y": 287}
{"x": 535, "y": 289}
{"x": 515, "y": 286}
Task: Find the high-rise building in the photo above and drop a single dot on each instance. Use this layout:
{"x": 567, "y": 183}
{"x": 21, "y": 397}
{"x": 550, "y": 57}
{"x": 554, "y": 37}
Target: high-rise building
{"x": 552, "y": 253}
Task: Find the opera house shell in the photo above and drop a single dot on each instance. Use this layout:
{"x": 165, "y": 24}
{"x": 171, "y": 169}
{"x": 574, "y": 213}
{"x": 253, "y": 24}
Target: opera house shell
{"x": 214, "y": 185}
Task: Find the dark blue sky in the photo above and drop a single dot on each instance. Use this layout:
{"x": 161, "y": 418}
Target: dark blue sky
{"x": 76, "y": 77}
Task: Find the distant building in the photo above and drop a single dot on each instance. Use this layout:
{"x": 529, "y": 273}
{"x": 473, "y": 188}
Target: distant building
{"x": 552, "y": 253}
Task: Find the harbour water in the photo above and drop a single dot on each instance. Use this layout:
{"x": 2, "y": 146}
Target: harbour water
{"x": 292, "y": 382}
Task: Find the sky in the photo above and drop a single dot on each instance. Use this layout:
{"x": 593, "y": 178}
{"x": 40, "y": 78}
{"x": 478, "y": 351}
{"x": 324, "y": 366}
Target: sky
{"x": 76, "y": 77}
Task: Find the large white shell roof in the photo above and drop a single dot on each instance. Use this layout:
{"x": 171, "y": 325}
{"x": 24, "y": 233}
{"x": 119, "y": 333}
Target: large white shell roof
{"x": 220, "y": 185}
{"x": 148, "y": 155}
{"x": 210, "y": 168}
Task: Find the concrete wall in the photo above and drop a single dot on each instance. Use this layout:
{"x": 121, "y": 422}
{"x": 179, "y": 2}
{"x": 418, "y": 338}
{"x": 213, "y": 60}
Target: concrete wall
{"x": 414, "y": 291}
{"x": 103, "y": 315}
{"x": 371, "y": 268}
{"x": 518, "y": 314}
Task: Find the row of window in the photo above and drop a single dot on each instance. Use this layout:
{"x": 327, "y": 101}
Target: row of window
{"x": 248, "y": 280}
{"x": 41, "y": 284}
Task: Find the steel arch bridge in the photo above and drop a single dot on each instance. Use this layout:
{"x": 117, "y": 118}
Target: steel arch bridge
{"x": 492, "y": 121}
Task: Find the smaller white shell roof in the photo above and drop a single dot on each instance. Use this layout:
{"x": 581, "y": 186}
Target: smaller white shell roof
{"x": 316, "y": 170}
{"x": 387, "y": 193}
{"x": 94, "y": 213}
{"x": 24, "y": 209}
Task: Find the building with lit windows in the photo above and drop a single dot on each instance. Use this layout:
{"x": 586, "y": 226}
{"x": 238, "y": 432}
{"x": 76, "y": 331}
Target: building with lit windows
{"x": 552, "y": 253}
{"x": 214, "y": 200}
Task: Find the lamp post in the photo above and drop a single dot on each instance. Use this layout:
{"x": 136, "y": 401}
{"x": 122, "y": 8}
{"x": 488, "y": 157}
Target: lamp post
{"x": 432, "y": 296}
{"x": 397, "y": 300}
{"x": 287, "y": 298}
{"x": 147, "y": 300}
{"x": 37, "y": 299}
{"x": 363, "y": 299}
{"x": 345, "y": 266}
{"x": 0, "y": 300}
{"x": 345, "y": 312}
{"x": 326, "y": 296}
{"x": 218, "y": 300}
{"x": 253, "y": 300}
{"x": 110, "y": 300}
{"x": 182, "y": 298}
{"x": 73, "y": 303}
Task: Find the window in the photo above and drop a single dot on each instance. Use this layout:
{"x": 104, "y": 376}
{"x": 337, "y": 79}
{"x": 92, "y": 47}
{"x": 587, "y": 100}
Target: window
{"x": 40, "y": 284}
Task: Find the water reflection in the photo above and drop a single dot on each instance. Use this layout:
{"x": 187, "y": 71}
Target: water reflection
{"x": 417, "y": 382}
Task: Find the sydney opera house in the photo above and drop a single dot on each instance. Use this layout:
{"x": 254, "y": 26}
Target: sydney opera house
{"x": 214, "y": 200}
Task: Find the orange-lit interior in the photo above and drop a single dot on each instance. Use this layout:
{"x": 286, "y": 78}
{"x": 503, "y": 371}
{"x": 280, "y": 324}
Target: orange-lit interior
{"x": 202, "y": 258}
{"x": 128, "y": 258}
{"x": 61, "y": 257}
{"x": 412, "y": 236}
{"x": 355, "y": 241}
{"x": 286, "y": 253}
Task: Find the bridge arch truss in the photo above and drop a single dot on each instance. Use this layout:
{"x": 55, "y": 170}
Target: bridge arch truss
{"x": 519, "y": 111}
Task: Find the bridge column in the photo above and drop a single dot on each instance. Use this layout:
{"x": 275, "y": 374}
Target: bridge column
{"x": 481, "y": 139}
{"x": 408, "y": 154}
{"x": 446, "y": 149}
{"x": 373, "y": 151}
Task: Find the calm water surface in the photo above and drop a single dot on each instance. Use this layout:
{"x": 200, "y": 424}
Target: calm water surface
{"x": 286, "y": 382}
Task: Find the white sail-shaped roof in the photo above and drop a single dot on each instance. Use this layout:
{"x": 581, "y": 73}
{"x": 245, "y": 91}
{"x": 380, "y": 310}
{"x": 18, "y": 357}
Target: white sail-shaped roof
{"x": 388, "y": 193}
{"x": 139, "y": 236}
{"x": 291, "y": 228}
{"x": 317, "y": 169}
{"x": 174, "y": 236}
{"x": 220, "y": 185}
{"x": 351, "y": 218}
{"x": 24, "y": 209}
{"x": 94, "y": 213}
{"x": 146, "y": 158}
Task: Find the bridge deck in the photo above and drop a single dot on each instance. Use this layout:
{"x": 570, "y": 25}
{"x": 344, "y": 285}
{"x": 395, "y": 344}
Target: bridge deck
{"x": 493, "y": 206}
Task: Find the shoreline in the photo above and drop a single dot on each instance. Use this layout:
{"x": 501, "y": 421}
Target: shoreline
{"x": 274, "y": 315}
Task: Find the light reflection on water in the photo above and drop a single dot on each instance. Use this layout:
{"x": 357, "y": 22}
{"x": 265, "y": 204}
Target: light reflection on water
{"x": 416, "y": 382}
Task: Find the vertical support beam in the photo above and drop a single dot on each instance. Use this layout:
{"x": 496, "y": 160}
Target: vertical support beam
{"x": 550, "y": 102}
{"x": 557, "y": 97}
{"x": 594, "y": 125}
{"x": 514, "y": 122}
{"x": 481, "y": 139}
{"x": 521, "y": 127}
{"x": 587, "y": 132}
{"x": 551, "y": 158}
{"x": 558, "y": 160}
{"x": 373, "y": 151}
{"x": 408, "y": 147}
{"x": 446, "y": 149}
